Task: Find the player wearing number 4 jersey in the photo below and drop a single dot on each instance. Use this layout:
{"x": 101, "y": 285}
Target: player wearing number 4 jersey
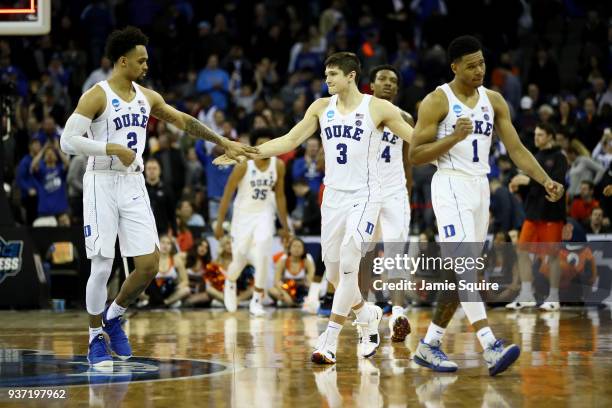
{"x": 261, "y": 191}
{"x": 350, "y": 123}
{"x": 454, "y": 128}
{"x": 396, "y": 174}
{"x": 113, "y": 115}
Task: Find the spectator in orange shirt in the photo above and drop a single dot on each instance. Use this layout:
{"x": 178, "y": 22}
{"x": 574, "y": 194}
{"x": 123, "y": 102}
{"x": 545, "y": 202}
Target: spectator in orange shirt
{"x": 583, "y": 206}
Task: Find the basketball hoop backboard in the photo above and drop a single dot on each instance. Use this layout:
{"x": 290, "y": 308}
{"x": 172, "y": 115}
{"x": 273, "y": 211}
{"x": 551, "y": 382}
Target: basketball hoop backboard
{"x": 25, "y": 17}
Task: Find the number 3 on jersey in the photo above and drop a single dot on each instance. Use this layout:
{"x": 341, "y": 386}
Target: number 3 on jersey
{"x": 341, "y": 159}
{"x": 132, "y": 137}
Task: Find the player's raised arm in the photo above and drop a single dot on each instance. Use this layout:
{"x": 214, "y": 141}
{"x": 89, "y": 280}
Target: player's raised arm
{"x": 298, "y": 133}
{"x": 91, "y": 104}
{"x": 161, "y": 110}
{"x": 424, "y": 147}
{"x": 231, "y": 186}
{"x": 292, "y": 139}
{"x": 519, "y": 154}
{"x": 384, "y": 113}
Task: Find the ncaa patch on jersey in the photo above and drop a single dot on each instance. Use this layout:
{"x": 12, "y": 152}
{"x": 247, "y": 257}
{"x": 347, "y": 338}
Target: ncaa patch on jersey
{"x": 330, "y": 114}
{"x": 116, "y": 104}
{"x": 457, "y": 109}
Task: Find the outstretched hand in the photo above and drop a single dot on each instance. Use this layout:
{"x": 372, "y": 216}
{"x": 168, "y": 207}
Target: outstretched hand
{"x": 223, "y": 160}
{"x": 554, "y": 190}
{"x": 239, "y": 152}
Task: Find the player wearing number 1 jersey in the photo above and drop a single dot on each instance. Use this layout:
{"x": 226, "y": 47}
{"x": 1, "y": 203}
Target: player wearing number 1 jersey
{"x": 349, "y": 123}
{"x": 261, "y": 191}
{"x": 113, "y": 115}
{"x": 454, "y": 128}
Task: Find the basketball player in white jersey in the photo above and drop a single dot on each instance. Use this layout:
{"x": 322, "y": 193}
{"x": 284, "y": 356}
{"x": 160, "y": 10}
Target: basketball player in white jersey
{"x": 113, "y": 115}
{"x": 348, "y": 121}
{"x": 261, "y": 191}
{"x": 454, "y": 129}
{"x": 396, "y": 174}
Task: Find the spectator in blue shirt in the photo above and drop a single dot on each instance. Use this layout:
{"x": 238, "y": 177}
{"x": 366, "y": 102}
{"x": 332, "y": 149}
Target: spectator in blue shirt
{"x": 216, "y": 177}
{"x": 48, "y": 131}
{"x": 26, "y": 182}
{"x": 306, "y": 167}
{"x": 214, "y": 81}
{"x": 49, "y": 169}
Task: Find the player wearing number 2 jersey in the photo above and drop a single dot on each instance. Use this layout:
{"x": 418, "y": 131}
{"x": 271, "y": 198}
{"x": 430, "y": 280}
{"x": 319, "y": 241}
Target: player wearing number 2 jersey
{"x": 261, "y": 191}
{"x": 113, "y": 115}
{"x": 454, "y": 128}
{"x": 348, "y": 122}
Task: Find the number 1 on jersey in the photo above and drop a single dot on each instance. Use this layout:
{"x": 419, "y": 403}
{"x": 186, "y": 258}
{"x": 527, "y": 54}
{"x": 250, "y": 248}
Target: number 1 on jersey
{"x": 475, "y": 159}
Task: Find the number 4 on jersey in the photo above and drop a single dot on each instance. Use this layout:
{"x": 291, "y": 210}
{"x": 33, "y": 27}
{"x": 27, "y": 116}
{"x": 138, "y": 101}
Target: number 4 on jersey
{"x": 386, "y": 154}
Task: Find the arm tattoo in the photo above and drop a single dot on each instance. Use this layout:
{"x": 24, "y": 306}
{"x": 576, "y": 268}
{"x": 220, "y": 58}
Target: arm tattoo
{"x": 163, "y": 115}
{"x": 195, "y": 128}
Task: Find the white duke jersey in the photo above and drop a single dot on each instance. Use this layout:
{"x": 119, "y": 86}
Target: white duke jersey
{"x": 471, "y": 155}
{"x": 122, "y": 123}
{"x": 256, "y": 190}
{"x": 351, "y": 149}
{"x": 392, "y": 163}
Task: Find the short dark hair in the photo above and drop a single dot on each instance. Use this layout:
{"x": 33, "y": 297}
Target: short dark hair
{"x": 346, "y": 61}
{"x": 388, "y": 67}
{"x": 464, "y": 45}
{"x": 261, "y": 132}
{"x": 120, "y": 42}
{"x": 547, "y": 127}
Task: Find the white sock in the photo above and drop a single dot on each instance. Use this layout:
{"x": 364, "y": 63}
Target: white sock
{"x": 526, "y": 291}
{"x": 114, "y": 310}
{"x": 94, "y": 332}
{"x": 333, "y": 331}
{"x": 397, "y": 310}
{"x": 485, "y": 337}
{"x": 553, "y": 295}
{"x": 363, "y": 313}
{"x": 434, "y": 333}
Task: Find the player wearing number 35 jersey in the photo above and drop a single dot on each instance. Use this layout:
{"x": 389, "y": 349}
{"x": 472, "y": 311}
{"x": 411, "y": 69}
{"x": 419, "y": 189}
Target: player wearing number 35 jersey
{"x": 348, "y": 123}
{"x": 113, "y": 116}
{"x": 454, "y": 128}
{"x": 261, "y": 191}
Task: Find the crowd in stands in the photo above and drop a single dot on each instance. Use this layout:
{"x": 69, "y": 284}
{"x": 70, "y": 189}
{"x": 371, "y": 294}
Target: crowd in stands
{"x": 238, "y": 66}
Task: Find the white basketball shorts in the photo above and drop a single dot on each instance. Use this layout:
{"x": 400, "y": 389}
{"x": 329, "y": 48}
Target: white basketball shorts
{"x": 346, "y": 215}
{"x": 461, "y": 205}
{"x": 117, "y": 203}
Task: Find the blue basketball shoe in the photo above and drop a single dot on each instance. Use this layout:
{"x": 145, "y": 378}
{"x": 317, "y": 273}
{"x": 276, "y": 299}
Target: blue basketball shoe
{"x": 499, "y": 358}
{"x": 119, "y": 343}
{"x": 99, "y": 356}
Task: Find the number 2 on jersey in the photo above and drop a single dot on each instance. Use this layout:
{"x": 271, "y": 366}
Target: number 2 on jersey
{"x": 133, "y": 140}
{"x": 475, "y": 159}
{"x": 341, "y": 159}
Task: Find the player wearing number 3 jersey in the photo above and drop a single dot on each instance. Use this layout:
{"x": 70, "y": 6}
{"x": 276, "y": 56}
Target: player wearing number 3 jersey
{"x": 113, "y": 116}
{"x": 348, "y": 123}
{"x": 454, "y": 128}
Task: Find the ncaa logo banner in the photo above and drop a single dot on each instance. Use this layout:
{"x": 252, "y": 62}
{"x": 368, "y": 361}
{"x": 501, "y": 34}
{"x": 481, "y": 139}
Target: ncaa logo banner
{"x": 10, "y": 258}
